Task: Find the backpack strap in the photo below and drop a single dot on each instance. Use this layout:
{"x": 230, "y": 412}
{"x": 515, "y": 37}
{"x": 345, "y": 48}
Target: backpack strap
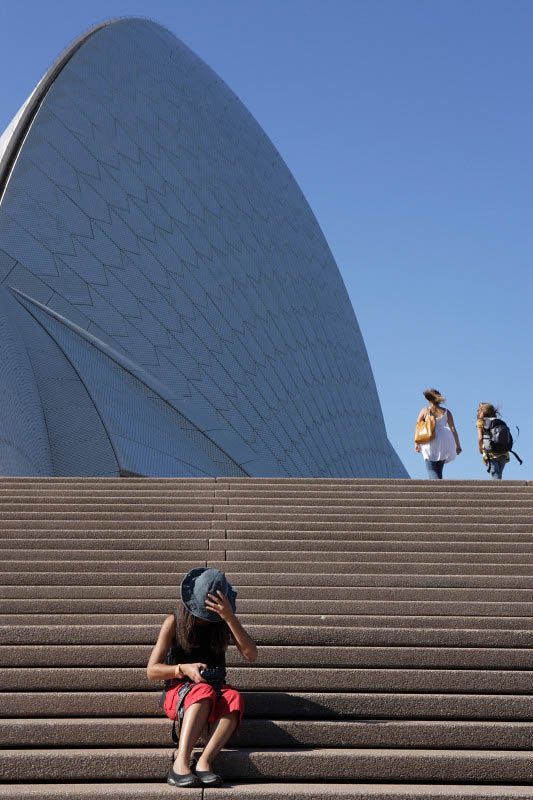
{"x": 510, "y": 451}
{"x": 183, "y": 691}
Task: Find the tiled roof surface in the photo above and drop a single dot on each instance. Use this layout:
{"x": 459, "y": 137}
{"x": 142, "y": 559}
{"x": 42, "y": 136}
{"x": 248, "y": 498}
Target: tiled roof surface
{"x": 152, "y": 230}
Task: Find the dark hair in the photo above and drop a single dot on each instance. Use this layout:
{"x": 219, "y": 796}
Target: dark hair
{"x": 434, "y": 396}
{"x": 187, "y": 632}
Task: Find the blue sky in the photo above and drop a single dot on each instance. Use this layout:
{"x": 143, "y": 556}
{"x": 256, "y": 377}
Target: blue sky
{"x": 408, "y": 125}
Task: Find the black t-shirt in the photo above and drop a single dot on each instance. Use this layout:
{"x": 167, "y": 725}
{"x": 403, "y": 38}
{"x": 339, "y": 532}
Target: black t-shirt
{"x": 200, "y": 653}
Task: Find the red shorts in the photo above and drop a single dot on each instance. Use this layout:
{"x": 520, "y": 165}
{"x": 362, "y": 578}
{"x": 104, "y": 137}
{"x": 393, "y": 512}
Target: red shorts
{"x": 230, "y": 700}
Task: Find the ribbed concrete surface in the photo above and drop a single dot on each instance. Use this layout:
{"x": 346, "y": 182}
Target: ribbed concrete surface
{"x": 394, "y": 618}
{"x": 265, "y": 791}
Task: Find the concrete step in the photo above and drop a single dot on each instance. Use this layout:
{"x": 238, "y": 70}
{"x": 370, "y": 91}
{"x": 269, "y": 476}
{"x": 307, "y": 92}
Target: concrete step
{"x": 105, "y": 791}
{"x": 168, "y": 594}
{"x": 191, "y": 500}
{"x": 451, "y": 525}
{"x": 507, "y": 497}
{"x": 384, "y": 535}
{"x": 108, "y": 540}
{"x": 153, "y": 732}
{"x": 125, "y": 580}
{"x": 67, "y": 514}
{"x": 241, "y": 562}
{"x": 262, "y": 514}
{"x": 89, "y": 732}
{"x": 311, "y": 560}
{"x": 333, "y": 619}
{"x": 340, "y": 616}
{"x": 317, "y": 705}
{"x": 417, "y": 510}
{"x": 392, "y": 621}
{"x": 216, "y": 539}
{"x": 311, "y": 504}
{"x": 89, "y": 538}
{"x": 265, "y": 791}
{"x": 357, "y": 511}
{"x": 380, "y": 733}
{"x": 310, "y": 549}
{"x": 191, "y": 558}
{"x": 112, "y": 579}
{"x": 136, "y": 655}
{"x": 84, "y": 523}
{"x": 272, "y": 634}
{"x": 276, "y": 512}
{"x": 71, "y": 764}
{"x": 120, "y": 584}
{"x": 365, "y": 791}
{"x": 189, "y": 540}
{"x": 238, "y": 484}
{"x": 247, "y": 527}
{"x": 334, "y": 578}
{"x": 377, "y": 500}
{"x": 180, "y": 551}
{"x": 18, "y": 611}
{"x": 510, "y": 766}
{"x": 312, "y": 508}
{"x": 310, "y": 565}
{"x": 358, "y": 546}
{"x": 257, "y": 505}
{"x": 284, "y": 679}
{"x": 110, "y": 505}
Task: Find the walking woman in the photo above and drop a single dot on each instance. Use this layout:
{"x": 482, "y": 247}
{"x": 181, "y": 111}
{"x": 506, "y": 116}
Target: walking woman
{"x": 190, "y": 655}
{"x": 445, "y": 446}
{"x": 487, "y": 413}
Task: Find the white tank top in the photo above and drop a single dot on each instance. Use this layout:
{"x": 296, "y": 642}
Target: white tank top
{"x": 442, "y": 447}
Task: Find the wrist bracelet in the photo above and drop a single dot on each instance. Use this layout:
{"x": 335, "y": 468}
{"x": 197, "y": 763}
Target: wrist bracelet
{"x": 177, "y": 672}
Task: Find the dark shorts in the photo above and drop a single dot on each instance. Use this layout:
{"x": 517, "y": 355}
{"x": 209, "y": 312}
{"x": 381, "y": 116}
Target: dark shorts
{"x": 229, "y": 700}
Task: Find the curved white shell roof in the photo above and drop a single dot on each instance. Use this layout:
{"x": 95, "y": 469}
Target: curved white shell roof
{"x": 149, "y": 226}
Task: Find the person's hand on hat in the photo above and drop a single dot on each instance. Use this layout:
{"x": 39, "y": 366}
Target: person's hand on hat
{"x": 219, "y": 604}
{"x": 192, "y": 671}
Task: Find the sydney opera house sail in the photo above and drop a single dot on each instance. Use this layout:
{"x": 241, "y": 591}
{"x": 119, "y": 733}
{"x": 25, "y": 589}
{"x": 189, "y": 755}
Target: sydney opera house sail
{"x": 168, "y": 303}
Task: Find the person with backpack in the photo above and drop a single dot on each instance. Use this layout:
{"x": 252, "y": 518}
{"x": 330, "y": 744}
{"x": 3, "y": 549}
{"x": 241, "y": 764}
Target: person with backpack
{"x": 494, "y": 438}
{"x": 444, "y": 445}
{"x": 190, "y": 656}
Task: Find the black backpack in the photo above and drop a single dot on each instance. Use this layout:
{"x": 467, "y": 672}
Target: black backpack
{"x": 497, "y": 438}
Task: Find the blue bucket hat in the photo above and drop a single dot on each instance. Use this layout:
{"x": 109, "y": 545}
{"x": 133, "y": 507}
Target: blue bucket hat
{"x": 197, "y": 584}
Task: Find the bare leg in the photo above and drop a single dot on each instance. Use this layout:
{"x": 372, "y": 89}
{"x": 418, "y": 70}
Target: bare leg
{"x": 194, "y": 720}
{"x": 222, "y": 730}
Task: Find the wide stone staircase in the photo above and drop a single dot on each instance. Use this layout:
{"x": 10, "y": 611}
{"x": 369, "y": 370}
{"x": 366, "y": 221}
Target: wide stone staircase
{"x": 394, "y": 620}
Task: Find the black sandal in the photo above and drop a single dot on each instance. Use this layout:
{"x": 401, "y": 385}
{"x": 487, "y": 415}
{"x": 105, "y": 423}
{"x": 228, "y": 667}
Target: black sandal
{"x": 207, "y": 778}
{"x": 187, "y": 781}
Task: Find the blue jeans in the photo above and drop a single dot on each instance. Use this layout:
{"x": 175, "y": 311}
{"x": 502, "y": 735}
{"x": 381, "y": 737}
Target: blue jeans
{"x": 496, "y": 467}
{"x": 434, "y": 469}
